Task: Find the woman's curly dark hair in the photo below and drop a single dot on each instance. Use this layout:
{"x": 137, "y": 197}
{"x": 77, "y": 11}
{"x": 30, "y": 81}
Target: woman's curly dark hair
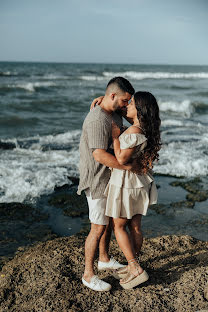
{"x": 149, "y": 119}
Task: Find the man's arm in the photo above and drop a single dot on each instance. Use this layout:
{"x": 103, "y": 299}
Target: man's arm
{"x": 103, "y": 157}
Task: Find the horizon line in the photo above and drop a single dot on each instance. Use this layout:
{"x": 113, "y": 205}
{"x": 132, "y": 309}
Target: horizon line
{"x": 107, "y": 63}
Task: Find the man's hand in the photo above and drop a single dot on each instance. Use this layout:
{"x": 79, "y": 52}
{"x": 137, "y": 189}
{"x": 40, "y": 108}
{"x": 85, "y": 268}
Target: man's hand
{"x": 96, "y": 101}
{"x": 127, "y": 167}
{"x": 135, "y": 167}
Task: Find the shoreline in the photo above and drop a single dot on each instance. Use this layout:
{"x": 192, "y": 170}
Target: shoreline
{"x": 39, "y": 264}
{"x": 182, "y": 209}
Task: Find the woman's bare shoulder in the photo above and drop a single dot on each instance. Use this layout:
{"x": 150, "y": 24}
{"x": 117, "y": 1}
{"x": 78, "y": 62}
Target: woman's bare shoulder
{"x": 133, "y": 129}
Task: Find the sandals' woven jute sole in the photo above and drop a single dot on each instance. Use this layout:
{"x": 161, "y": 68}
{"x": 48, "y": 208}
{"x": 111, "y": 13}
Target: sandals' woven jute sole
{"x": 119, "y": 275}
{"x": 137, "y": 280}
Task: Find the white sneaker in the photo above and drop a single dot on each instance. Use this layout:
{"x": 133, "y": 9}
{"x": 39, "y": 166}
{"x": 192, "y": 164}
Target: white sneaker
{"x": 97, "y": 284}
{"x": 110, "y": 265}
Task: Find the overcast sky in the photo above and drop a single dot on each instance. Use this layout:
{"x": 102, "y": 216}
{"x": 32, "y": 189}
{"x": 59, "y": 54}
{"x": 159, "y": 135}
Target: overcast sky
{"x": 110, "y": 31}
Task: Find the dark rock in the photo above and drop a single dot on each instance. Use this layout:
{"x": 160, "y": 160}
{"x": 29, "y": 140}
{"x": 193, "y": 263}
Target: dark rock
{"x": 194, "y": 188}
{"x": 73, "y": 205}
{"x": 65, "y": 187}
{"x": 21, "y": 225}
{"x": 47, "y": 277}
{"x": 199, "y": 196}
{"x": 159, "y": 208}
{"x": 7, "y": 145}
{"x": 19, "y": 211}
{"x": 183, "y": 204}
{"x": 191, "y": 186}
{"x": 74, "y": 180}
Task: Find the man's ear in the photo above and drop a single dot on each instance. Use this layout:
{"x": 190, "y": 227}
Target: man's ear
{"x": 112, "y": 96}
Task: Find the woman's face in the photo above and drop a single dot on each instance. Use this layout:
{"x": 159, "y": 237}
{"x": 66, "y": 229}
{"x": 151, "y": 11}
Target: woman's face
{"x": 131, "y": 109}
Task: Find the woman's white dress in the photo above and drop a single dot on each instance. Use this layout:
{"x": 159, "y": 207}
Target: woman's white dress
{"x": 128, "y": 193}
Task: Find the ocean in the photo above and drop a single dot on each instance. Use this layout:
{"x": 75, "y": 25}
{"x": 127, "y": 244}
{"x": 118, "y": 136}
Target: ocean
{"x": 43, "y": 106}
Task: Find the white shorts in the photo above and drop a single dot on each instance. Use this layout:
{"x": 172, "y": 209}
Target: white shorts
{"x": 97, "y": 210}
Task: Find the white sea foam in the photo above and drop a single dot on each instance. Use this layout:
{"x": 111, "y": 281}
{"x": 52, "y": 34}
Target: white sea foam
{"x": 183, "y": 159}
{"x": 146, "y": 75}
{"x": 171, "y": 122}
{"x": 6, "y": 73}
{"x": 184, "y": 108}
{"x": 29, "y": 173}
{"x": 31, "y": 86}
{"x": 156, "y": 75}
{"x": 55, "y": 77}
{"x": 92, "y": 78}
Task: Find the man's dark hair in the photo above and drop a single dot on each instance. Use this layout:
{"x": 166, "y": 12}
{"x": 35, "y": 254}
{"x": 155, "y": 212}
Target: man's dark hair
{"x": 122, "y": 83}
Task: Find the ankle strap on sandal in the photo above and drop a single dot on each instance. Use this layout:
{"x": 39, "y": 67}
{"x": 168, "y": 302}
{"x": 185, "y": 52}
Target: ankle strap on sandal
{"x": 132, "y": 260}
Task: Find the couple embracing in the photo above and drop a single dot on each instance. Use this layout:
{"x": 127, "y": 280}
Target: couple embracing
{"x": 115, "y": 174}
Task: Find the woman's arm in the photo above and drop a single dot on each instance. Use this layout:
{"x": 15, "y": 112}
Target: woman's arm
{"x": 96, "y": 101}
{"x": 122, "y": 155}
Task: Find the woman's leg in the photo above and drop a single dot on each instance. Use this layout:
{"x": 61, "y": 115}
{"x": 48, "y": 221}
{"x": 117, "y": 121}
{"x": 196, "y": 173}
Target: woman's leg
{"x": 123, "y": 239}
{"x": 136, "y": 233}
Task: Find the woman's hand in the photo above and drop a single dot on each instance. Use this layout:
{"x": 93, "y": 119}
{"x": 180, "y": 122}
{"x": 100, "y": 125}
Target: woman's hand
{"x": 96, "y": 101}
{"x": 115, "y": 130}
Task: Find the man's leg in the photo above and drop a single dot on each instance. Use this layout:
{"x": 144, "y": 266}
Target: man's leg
{"x": 105, "y": 243}
{"x": 91, "y": 246}
{"x": 100, "y": 234}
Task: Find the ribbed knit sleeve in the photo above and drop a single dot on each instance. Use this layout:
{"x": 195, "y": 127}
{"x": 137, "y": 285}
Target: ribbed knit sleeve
{"x": 98, "y": 134}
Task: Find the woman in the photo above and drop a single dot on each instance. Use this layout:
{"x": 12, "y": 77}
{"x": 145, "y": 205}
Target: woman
{"x": 129, "y": 194}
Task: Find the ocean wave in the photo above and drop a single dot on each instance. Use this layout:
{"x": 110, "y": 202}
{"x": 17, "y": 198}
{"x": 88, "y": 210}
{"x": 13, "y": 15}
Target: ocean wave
{"x": 31, "y": 170}
{"x": 200, "y": 107}
{"x": 55, "y": 77}
{"x": 91, "y": 78}
{"x": 28, "y": 86}
{"x": 7, "y": 73}
{"x": 183, "y": 159}
{"x": 27, "y": 173}
{"x": 31, "y": 86}
{"x": 183, "y": 125}
{"x": 186, "y": 108}
{"x": 38, "y": 142}
{"x": 156, "y": 75}
{"x": 146, "y": 75}
{"x": 171, "y": 122}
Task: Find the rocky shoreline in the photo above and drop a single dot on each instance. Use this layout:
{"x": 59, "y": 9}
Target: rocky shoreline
{"x": 47, "y": 277}
{"x": 41, "y": 270}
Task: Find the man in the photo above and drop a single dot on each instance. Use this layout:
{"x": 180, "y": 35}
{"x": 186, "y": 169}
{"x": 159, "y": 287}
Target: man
{"x": 95, "y": 160}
